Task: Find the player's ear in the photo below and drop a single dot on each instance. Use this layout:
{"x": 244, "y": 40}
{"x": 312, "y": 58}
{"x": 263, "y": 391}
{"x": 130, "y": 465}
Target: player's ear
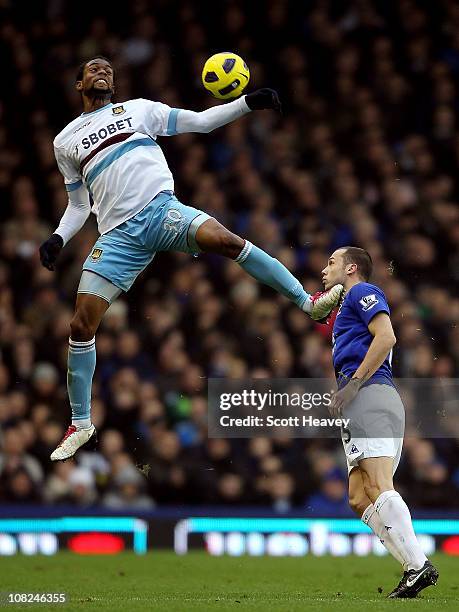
{"x": 79, "y": 85}
{"x": 351, "y": 268}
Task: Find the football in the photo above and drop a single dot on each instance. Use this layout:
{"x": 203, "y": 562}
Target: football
{"x": 225, "y": 75}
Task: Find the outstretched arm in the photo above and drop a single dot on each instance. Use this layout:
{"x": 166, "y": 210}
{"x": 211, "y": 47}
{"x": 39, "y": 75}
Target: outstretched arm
{"x": 217, "y": 116}
{"x": 211, "y": 118}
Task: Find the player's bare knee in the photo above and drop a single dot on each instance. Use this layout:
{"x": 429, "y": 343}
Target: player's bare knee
{"x": 358, "y": 501}
{"x": 81, "y": 328}
{"x": 376, "y": 479}
{"x": 230, "y": 245}
{"x": 225, "y": 243}
{"x": 371, "y": 493}
{"x": 374, "y": 487}
{"x": 358, "y": 504}
{"x": 213, "y": 237}
{"x": 354, "y": 504}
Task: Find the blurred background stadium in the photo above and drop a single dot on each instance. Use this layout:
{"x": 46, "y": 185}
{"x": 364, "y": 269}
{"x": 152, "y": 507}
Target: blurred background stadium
{"x": 366, "y": 153}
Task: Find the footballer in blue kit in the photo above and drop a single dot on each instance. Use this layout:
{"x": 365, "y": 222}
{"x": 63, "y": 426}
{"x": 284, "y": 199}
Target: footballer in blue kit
{"x": 363, "y": 340}
{"x": 351, "y": 339}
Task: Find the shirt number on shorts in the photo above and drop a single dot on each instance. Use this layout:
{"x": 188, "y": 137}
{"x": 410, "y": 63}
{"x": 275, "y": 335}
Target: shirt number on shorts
{"x": 174, "y": 218}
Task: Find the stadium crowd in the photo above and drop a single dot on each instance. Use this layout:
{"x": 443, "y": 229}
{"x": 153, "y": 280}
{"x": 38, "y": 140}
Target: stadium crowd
{"x": 365, "y": 152}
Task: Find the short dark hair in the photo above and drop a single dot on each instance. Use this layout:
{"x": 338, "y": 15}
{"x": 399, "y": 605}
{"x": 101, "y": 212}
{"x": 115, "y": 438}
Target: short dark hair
{"x": 82, "y": 66}
{"x": 360, "y": 257}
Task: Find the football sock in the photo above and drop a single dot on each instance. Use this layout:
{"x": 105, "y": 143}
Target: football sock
{"x": 81, "y": 366}
{"x": 396, "y": 518}
{"x": 270, "y": 271}
{"x": 371, "y": 518}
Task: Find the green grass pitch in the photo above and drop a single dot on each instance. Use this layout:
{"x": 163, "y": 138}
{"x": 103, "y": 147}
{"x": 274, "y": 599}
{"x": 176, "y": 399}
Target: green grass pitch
{"x": 197, "y": 581}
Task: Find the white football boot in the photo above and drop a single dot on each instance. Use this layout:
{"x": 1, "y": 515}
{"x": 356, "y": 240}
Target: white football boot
{"x": 324, "y": 302}
{"x": 73, "y": 440}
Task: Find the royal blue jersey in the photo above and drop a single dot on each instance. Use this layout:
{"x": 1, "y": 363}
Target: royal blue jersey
{"x": 351, "y": 336}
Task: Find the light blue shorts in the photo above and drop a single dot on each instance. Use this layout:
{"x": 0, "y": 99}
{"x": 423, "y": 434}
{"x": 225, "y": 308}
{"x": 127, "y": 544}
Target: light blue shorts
{"x": 165, "y": 224}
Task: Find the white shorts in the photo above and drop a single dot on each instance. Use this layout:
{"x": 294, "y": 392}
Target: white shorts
{"x": 377, "y": 425}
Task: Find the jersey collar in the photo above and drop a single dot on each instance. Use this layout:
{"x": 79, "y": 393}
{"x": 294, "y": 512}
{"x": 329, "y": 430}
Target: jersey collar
{"x": 97, "y": 110}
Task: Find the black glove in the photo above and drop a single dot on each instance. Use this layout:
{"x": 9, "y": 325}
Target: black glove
{"x": 50, "y": 249}
{"x": 264, "y": 98}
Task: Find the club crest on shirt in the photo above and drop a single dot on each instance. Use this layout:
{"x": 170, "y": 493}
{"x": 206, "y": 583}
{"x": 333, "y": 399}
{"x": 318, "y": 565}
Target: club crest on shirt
{"x": 118, "y": 110}
{"x": 96, "y": 254}
{"x": 368, "y": 301}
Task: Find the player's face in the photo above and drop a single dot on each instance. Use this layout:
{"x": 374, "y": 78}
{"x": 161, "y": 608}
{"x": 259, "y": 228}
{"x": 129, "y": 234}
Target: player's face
{"x": 97, "y": 79}
{"x": 335, "y": 271}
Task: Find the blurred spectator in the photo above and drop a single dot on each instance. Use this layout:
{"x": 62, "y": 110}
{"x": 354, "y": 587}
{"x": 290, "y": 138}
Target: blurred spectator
{"x": 16, "y": 465}
{"x": 127, "y": 491}
{"x": 332, "y": 497}
{"x": 82, "y": 491}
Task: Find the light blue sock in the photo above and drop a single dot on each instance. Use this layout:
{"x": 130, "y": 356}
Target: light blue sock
{"x": 81, "y": 366}
{"x": 270, "y": 271}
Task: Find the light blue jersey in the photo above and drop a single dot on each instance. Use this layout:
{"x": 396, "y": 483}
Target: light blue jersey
{"x": 112, "y": 155}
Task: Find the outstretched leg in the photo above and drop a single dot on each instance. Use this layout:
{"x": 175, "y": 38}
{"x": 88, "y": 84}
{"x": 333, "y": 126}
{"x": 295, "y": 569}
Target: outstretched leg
{"x": 213, "y": 237}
